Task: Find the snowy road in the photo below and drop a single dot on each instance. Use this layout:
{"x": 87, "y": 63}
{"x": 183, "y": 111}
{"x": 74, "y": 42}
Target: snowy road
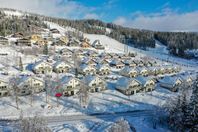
{"x": 94, "y": 117}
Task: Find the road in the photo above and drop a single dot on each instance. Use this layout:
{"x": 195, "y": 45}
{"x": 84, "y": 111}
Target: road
{"x": 104, "y": 116}
{"x": 51, "y": 120}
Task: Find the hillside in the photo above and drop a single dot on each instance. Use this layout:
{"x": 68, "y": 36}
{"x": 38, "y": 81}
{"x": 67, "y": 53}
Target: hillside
{"x": 176, "y": 42}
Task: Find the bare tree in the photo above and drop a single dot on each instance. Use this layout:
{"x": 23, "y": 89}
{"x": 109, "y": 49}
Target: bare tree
{"x": 83, "y": 95}
{"x": 120, "y": 125}
{"x": 34, "y": 124}
{"x": 14, "y": 90}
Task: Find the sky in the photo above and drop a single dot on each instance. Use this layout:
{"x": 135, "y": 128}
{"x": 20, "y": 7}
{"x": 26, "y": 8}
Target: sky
{"x": 158, "y": 15}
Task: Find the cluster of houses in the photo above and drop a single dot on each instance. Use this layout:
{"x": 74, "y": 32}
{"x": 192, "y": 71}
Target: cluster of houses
{"x": 86, "y": 67}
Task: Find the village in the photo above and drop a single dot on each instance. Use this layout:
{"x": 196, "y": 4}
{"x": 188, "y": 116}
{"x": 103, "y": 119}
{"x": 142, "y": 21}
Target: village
{"x": 65, "y": 66}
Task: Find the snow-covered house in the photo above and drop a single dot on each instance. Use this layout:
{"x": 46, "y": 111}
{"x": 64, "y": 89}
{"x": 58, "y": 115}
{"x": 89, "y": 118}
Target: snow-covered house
{"x": 103, "y": 69}
{"x": 66, "y": 52}
{"x": 61, "y": 67}
{"x": 55, "y": 31}
{"x": 147, "y": 83}
{"x": 129, "y": 62}
{"x": 3, "y": 40}
{"x": 85, "y": 43}
{"x": 86, "y": 69}
{"x": 73, "y": 43}
{"x": 139, "y": 63}
{"x": 79, "y": 53}
{"x": 92, "y": 53}
{"x": 97, "y": 45}
{"x": 187, "y": 79}
{"x": 116, "y": 64}
{"x": 4, "y": 86}
{"x": 171, "y": 83}
{"x": 95, "y": 83}
{"x": 70, "y": 85}
{"x": 128, "y": 86}
{"x": 42, "y": 67}
{"x": 88, "y": 61}
{"x": 129, "y": 72}
{"x": 29, "y": 84}
{"x": 142, "y": 71}
{"x": 24, "y": 42}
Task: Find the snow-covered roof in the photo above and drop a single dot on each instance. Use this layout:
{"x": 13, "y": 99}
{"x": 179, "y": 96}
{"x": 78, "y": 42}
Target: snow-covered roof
{"x": 124, "y": 82}
{"x": 169, "y": 80}
{"x": 143, "y": 80}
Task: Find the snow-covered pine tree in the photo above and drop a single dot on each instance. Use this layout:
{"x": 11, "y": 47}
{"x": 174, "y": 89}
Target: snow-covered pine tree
{"x": 45, "y": 49}
{"x": 191, "y": 121}
{"x": 20, "y": 64}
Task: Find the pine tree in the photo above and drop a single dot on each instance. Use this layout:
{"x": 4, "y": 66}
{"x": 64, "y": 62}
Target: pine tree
{"x": 20, "y": 64}
{"x": 45, "y": 49}
{"x": 191, "y": 121}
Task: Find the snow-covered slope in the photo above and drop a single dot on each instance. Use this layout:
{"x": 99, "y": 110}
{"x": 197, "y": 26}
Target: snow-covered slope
{"x": 111, "y": 45}
{"x": 13, "y": 13}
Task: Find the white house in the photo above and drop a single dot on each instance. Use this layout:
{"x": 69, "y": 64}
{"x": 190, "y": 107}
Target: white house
{"x": 70, "y": 85}
{"x": 61, "y": 67}
{"x": 86, "y": 69}
{"x": 42, "y": 67}
{"x": 147, "y": 83}
{"x": 95, "y": 83}
{"x": 103, "y": 69}
{"x": 171, "y": 83}
{"x": 128, "y": 86}
{"x": 129, "y": 72}
{"x": 4, "y": 86}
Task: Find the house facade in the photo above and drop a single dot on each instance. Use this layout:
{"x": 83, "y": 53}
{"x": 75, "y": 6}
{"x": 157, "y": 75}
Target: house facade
{"x": 128, "y": 86}
{"x": 95, "y": 83}
{"x": 42, "y": 67}
{"x": 61, "y": 67}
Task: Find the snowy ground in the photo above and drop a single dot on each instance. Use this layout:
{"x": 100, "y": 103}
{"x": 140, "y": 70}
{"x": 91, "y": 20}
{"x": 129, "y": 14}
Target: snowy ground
{"x": 141, "y": 124}
{"x": 107, "y": 101}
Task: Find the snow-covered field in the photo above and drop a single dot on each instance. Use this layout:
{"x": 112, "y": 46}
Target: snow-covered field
{"x": 108, "y": 101}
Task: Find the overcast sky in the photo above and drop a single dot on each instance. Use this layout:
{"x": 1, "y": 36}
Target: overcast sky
{"x": 162, "y": 15}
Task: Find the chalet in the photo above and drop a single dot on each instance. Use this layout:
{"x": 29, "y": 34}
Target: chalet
{"x": 103, "y": 69}
{"x": 147, "y": 83}
{"x": 129, "y": 62}
{"x": 92, "y": 53}
{"x": 143, "y": 71}
{"x": 3, "y": 40}
{"x": 35, "y": 38}
{"x": 24, "y": 42}
{"x": 139, "y": 63}
{"x": 42, "y": 67}
{"x": 187, "y": 79}
{"x": 28, "y": 84}
{"x": 63, "y": 41}
{"x": 171, "y": 83}
{"x": 129, "y": 72}
{"x": 95, "y": 83}
{"x": 70, "y": 85}
{"x": 124, "y": 56}
{"x": 154, "y": 71}
{"x": 61, "y": 67}
{"x": 54, "y": 30}
{"x": 97, "y": 45}
{"x": 116, "y": 64}
{"x": 79, "y": 53}
{"x": 41, "y": 42}
{"x": 17, "y": 35}
{"x": 128, "y": 86}
{"x": 66, "y": 52}
{"x": 4, "y": 86}
{"x": 88, "y": 61}
{"x": 101, "y": 61}
{"x": 86, "y": 69}
{"x": 73, "y": 43}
